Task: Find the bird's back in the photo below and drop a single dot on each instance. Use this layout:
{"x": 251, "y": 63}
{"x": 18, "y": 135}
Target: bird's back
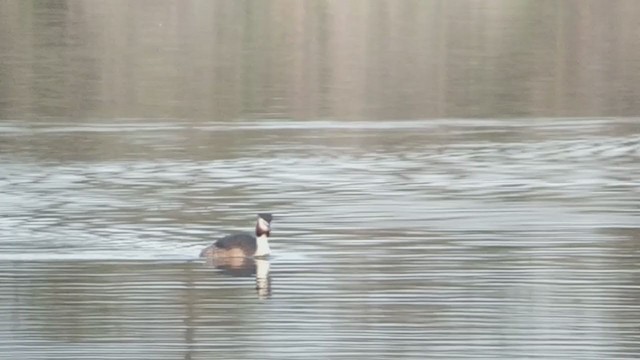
{"x": 236, "y": 245}
{"x": 244, "y": 241}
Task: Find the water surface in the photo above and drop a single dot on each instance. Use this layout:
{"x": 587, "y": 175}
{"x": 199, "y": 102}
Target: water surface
{"x": 456, "y": 238}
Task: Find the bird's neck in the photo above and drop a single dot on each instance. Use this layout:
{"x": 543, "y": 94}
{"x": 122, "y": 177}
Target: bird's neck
{"x": 262, "y": 242}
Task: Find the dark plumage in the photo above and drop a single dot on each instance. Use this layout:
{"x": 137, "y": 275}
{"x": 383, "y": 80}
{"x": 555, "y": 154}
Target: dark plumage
{"x": 266, "y": 217}
{"x": 245, "y": 243}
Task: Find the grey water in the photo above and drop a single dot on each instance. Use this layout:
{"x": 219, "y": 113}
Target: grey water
{"x": 447, "y": 179}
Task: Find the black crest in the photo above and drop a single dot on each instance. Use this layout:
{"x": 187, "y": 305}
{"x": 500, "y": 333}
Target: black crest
{"x": 266, "y": 217}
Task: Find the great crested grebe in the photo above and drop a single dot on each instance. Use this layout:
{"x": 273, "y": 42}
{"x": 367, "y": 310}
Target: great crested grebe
{"x": 242, "y": 245}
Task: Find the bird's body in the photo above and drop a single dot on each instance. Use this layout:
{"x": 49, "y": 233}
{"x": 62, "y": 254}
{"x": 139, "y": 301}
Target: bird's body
{"x": 242, "y": 245}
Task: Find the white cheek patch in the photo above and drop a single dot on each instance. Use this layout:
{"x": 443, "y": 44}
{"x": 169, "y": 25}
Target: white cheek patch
{"x": 263, "y": 224}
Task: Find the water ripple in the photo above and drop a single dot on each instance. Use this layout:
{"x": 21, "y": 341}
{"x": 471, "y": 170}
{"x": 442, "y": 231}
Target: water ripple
{"x": 475, "y": 239}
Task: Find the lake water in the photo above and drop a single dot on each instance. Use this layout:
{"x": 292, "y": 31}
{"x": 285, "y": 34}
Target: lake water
{"x": 413, "y": 219}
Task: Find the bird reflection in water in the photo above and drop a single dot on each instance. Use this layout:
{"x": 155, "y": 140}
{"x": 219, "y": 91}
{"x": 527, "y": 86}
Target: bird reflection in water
{"x": 247, "y": 267}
